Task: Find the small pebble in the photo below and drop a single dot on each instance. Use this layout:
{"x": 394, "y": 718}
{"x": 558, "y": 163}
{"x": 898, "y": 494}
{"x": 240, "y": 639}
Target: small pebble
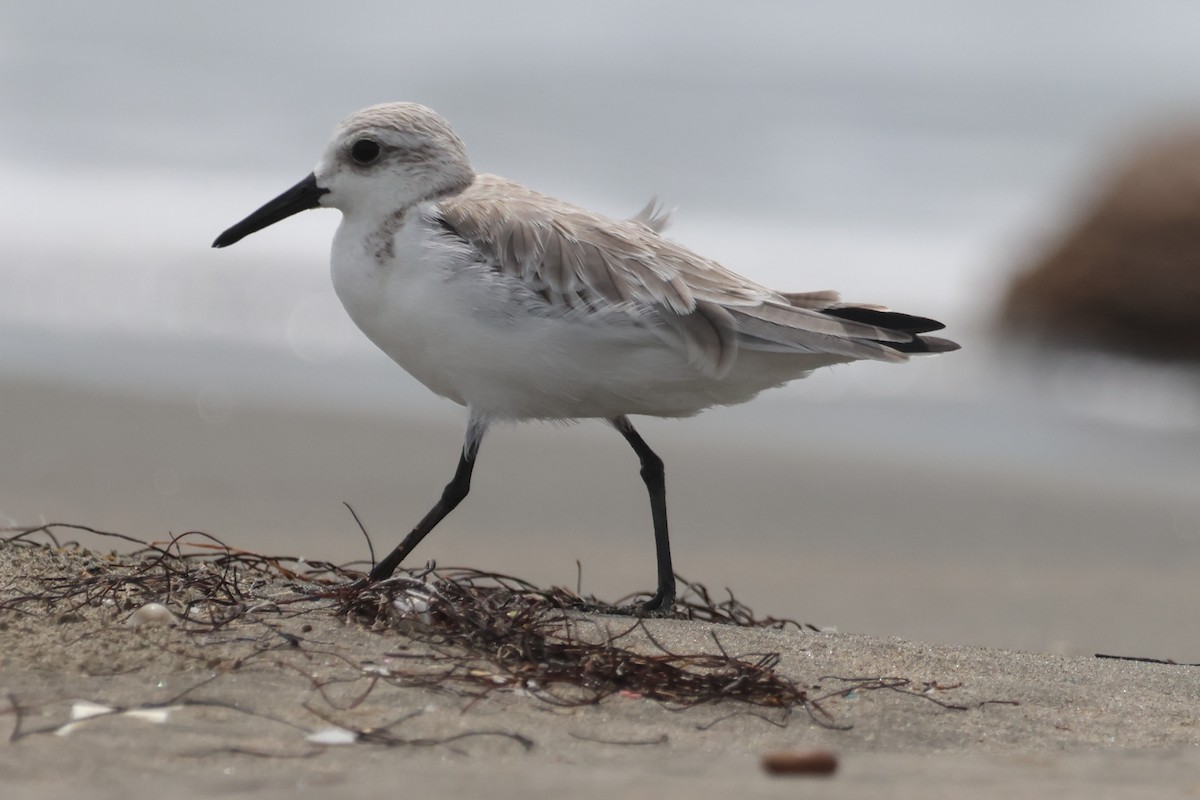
{"x": 800, "y": 762}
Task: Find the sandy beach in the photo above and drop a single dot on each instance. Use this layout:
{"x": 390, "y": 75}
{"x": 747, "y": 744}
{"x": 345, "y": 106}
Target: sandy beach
{"x": 232, "y": 711}
{"x": 922, "y": 592}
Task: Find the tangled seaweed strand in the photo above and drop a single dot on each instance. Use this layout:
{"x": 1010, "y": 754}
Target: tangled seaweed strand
{"x": 490, "y": 631}
{"x": 211, "y": 584}
{"x": 538, "y": 640}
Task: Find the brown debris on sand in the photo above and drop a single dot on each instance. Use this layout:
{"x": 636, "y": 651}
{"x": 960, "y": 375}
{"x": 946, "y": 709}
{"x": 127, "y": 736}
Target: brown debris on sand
{"x": 481, "y": 632}
{"x": 462, "y": 631}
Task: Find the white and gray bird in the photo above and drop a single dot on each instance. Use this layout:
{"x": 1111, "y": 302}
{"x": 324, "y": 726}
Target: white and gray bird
{"x": 521, "y": 307}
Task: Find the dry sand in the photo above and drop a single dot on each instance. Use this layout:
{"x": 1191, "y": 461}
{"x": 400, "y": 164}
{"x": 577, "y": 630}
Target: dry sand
{"x": 246, "y": 697}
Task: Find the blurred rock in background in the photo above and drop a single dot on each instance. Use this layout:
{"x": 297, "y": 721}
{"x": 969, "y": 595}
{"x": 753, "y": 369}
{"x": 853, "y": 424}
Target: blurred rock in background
{"x": 1127, "y": 277}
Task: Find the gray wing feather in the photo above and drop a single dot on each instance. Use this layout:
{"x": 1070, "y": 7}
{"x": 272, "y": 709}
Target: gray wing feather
{"x": 573, "y": 258}
{"x": 653, "y": 216}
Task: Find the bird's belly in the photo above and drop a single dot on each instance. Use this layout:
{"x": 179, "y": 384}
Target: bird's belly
{"x": 466, "y": 341}
{"x": 506, "y": 364}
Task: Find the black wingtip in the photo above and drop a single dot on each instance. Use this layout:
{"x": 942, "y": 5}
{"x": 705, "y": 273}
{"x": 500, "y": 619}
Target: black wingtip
{"x": 892, "y": 320}
{"x": 926, "y": 344}
{"x": 904, "y": 323}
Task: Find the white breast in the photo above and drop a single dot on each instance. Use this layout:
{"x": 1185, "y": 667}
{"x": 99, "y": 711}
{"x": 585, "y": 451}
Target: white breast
{"x": 396, "y": 292}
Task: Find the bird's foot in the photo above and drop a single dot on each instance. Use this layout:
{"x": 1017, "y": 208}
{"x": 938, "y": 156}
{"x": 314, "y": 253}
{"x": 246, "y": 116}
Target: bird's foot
{"x": 661, "y": 605}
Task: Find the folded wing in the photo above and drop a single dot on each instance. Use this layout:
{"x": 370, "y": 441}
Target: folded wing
{"x": 578, "y": 260}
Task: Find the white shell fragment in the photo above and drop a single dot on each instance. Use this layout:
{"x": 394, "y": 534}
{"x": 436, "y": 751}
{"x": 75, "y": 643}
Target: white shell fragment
{"x": 377, "y": 669}
{"x": 413, "y": 604}
{"x": 332, "y": 735}
{"x": 157, "y": 715}
{"x": 83, "y": 710}
{"x": 150, "y": 614}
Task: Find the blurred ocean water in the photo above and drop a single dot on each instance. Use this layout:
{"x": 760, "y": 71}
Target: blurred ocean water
{"x": 909, "y": 155}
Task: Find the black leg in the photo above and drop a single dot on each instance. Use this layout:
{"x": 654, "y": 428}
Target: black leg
{"x": 452, "y": 495}
{"x": 656, "y": 485}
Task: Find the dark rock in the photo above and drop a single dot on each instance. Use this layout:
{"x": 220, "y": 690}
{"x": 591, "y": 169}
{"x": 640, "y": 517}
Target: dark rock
{"x": 1127, "y": 278}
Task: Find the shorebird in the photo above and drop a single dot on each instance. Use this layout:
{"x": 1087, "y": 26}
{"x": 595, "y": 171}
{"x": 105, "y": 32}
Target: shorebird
{"x": 520, "y": 306}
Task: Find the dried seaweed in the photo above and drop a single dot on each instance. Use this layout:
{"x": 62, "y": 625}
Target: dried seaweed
{"x": 456, "y": 630}
{"x": 487, "y": 631}
{"x": 543, "y": 641}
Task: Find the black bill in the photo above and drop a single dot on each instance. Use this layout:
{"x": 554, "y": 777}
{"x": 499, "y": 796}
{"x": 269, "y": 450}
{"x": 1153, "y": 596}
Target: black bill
{"x": 301, "y": 197}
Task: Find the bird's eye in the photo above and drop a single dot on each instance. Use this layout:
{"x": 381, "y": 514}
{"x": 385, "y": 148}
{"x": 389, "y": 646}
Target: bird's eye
{"x": 364, "y": 151}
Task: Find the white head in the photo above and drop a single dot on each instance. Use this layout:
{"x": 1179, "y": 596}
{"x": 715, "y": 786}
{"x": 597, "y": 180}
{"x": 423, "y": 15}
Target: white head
{"x": 391, "y": 156}
{"x": 381, "y": 159}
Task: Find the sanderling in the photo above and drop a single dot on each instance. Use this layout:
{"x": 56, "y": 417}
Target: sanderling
{"x": 520, "y": 306}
